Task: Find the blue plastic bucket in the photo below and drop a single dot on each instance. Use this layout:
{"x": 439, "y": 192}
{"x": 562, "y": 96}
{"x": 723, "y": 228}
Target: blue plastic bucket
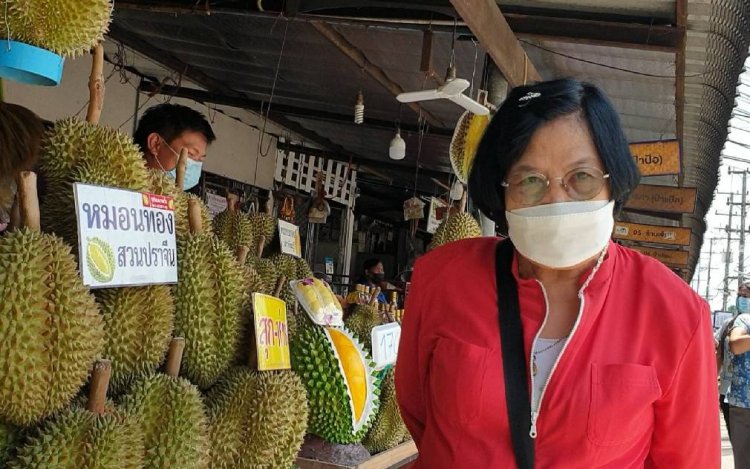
{"x": 29, "y": 64}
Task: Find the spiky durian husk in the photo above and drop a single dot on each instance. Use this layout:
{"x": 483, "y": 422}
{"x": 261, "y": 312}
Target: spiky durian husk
{"x": 172, "y": 420}
{"x": 303, "y": 269}
{"x": 253, "y": 284}
{"x": 258, "y": 419}
{"x": 455, "y": 227}
{"x": 161, "y": 184}
{"x": 77, "y": 438}
{"x": 50, "y": 326}
{"x": 138, "y": 325}
{"x": 314, "y": 360}
{"x": 361, "y": 322}
{"x": 208, "y": 306}
{"x": 234, "y": 228}
{"x": 9, "y": 435}
{"x": 66, "y": 28}
{"x": 389, "y": 429}
{"x": 469, "y": 131}
{"x": 262, "y": 225}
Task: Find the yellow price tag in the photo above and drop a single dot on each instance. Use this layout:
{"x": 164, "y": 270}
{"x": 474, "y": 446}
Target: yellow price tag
{"x": 271, "y": 334}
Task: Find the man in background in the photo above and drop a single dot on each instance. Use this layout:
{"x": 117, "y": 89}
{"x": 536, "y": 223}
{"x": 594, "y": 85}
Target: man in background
{"x": 738, "y": 395}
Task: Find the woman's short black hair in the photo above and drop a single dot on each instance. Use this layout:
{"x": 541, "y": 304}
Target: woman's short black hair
{"x": 524, "y": 111}
{"x": 370, "y": 263}
{"x": 170, "y": 121}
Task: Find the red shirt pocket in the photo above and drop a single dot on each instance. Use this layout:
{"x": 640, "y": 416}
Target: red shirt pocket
{"x": 622, "y": 398}
{"x": 457, "y": 371}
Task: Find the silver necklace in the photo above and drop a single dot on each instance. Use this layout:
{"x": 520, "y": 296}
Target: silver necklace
{"x": 535, "y": 353}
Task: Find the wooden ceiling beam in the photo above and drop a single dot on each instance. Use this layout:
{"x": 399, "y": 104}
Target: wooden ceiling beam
{"x": 489, "y": 26}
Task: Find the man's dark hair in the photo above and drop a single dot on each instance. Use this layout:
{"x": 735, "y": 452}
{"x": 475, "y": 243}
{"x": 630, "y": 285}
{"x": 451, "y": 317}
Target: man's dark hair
{"x": 512, "y": 128}
{"x": 370, "y": 263}
{"x": 170, "y": 121}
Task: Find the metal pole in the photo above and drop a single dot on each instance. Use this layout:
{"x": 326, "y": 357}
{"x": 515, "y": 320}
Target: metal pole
{"x": 743, "y": 213}
{"x": 710, "y": 256}
{"x": 728, "y": 254}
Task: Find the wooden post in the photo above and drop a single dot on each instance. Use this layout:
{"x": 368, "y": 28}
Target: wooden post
{"x": 194, "y": 216}
{"x": 96, "y": 86}
{"x": 174, "y": 357}
{"x": 28, "y": 200}
{"x": 181, "y": 168}
{"x": 99, "y": 384}
{"x": 242, "y": 252}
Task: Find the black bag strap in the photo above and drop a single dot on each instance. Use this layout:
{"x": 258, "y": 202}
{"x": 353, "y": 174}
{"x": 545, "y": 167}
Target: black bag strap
{"x": 514, "y": 357}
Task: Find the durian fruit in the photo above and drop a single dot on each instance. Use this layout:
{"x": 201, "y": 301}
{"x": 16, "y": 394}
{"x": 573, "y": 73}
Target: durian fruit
{"x": 362, "y": 320}
{"x": 8, "y": 441}
{"x": 68, "y": 28}
{"x": 342, "y": 389}
{"x": 253, "y": 284}
{"x": 51, "y": 329}
{"x": 161, "y": 184}
{"x": 77, "y": 151}
{"x": 208, "y": 303}
{"x": 232, "y": 226}
{"x": 171, "y": 417}
{"x": 258, "y": 419}
{"x": 264, "y": 228}
{"x": 456, "y": 226}
{"x": 138, "y": 324}
{"x": 303, "y": 269}
{"x": 98, "y": 436}
{"x": 389, "y": 429}
{"x": 469, "y": 131}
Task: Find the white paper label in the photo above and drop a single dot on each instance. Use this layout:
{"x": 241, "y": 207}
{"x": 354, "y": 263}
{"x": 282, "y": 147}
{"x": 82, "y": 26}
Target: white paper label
{"x": 385, "y": 340}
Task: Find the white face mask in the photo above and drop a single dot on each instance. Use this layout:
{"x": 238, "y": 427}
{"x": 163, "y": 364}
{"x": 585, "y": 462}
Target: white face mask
{"x": 562, "y": 235}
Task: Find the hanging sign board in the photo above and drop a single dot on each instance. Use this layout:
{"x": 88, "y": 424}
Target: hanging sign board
{"x": 652, "y": 233}
{"x": 271, "y": 334}
{"x": 289, "y": 238}
{"x": 216, "y": 204}
{"x": 385, "y": 341}
{"x": 436, "y": 214}
{"x": 670, "y": 257}
{"x": 125, "y": 238}
{"x": 657, "y": 158}
{"x": 662, "y": 199}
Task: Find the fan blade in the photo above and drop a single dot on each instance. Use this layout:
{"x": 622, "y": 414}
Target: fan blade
{"x": 469, "y": 104}
{"x": 413, "y": 96}
{"x": 454, "y": 87}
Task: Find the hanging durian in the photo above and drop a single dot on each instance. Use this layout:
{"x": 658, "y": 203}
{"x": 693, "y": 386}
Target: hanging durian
{"x": 51, "y": 328}
{"x": 258, "y": 419}
{"x": 389, "y": 429}
{"x": 98, "y": 436}
{"x": 456, "y": 225}
{"x": 138, "y": 324}
{"x": 208, "y": 303}
{"x": 232, "y": 226}
{"x": 171, "y": 417}
{"x": 67, "y": 28}
{"x": 341, "y": 385}
{"x": 465, "y": 141}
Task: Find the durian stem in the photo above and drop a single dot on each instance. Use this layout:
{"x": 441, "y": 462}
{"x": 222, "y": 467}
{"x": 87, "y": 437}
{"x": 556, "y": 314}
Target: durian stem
{"x": 96, "y": 86}
{"x": 28, "y": 200}
{"x": 242, "y": 252}
{"x": 194, "y": 216}
{"x": 181, "y": 168}
{"x": 99, "y": 384}
{"x": 269, "y": 203}
{"x": 174, "y": 357}
{"x": 374, "y": 296}
{"x": 232, "y": 201}
{"x": 462, "y": 204}
{"x": 279, "y": 285}
{"x": 261, "y": 245}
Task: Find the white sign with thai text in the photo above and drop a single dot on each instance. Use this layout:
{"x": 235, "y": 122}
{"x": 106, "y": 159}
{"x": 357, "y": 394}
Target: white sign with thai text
{"x": 289, "y": 239}
{"x": 385, "y": 340}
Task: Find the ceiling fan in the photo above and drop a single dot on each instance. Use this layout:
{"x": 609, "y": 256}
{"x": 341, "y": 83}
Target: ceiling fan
{"x": 453, "y": 90}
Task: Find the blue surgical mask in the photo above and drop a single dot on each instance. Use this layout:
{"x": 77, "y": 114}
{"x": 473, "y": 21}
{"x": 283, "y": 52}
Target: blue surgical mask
{"x": 743, "y": 304}
{"x": 192, "y": 174}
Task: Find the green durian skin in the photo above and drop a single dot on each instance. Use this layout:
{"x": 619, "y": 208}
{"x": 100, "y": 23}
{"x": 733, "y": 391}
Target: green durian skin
{"x": 9, "y": 435}
{"x": 258, "y": 419}
{"x": 208, "y": 307}
{"x": 313, "y": 359}
{"x": 50, "y": 327}
{"x": 76, "y": 438}
{"x": 456, "y": 227}
{"x": 234, "y": 228}
{"x": 138, "y": 324}
{"x": 172, "y": 420}
{"x": 361, "y": 322}
{"x": 389, "y": 429}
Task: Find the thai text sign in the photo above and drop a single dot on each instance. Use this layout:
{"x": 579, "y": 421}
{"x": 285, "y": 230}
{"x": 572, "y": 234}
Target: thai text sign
{"x": 385, "y": 340}
{"x": 289, "y": 239}
{"x": 662, "y": 199}
{"x": 670, "y": 257}
{"x": 652, "y": 233}
{"x": 125, "y": 238}
{"x": 271, "y": 335}
{"x": 657, "y": 158}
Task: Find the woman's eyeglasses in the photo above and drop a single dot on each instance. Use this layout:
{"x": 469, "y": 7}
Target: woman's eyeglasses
{"x": 580, "y": 184}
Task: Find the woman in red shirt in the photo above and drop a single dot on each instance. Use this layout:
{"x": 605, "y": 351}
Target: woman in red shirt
{"x": 618, "y": 349}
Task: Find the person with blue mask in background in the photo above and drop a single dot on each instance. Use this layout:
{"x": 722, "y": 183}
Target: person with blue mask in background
{"x": 724, "y": 356}
{"x": 738, "y": 395}
{"x": 164, "y": 130}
